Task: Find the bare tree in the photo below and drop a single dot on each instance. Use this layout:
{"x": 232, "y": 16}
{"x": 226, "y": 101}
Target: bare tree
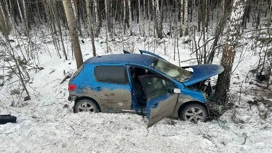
{"x": 124, "y": 15}
{"x": 97, "y": 19}
{"x": 158, "y": 20}
{"x": 57, "y": 20}
{"x": 107, "y": 25}
{"x": 10, "y": 50}
{"x": 73, "y": 31}
{"x": 9, "y": 19}
{"x": 235, "y": 21}
{"x": 129, "y": 16}
{"x": 181, "y": 18}
{"x": 3, "y": 22}
{"x": 219, "y": 29}
{"x": 90, "y": 25}
{"x": 25, "y": 20}
{"x": 185, "y": 19}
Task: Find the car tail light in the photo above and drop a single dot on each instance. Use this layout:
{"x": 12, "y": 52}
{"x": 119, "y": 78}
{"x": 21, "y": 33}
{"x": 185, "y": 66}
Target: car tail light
{"x": 72, "y": 87}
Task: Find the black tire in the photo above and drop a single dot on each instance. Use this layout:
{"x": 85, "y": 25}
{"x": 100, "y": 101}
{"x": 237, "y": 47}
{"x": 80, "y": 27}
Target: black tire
{"x": 7, "y": 119}
{"x": 85, "y": 105}
{"x": 193, "y": 113}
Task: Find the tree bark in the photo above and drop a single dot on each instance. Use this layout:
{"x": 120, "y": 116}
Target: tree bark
{"x": 124, "y": 16}
{"x": 107, "y": 25}
{"x": 129, "y": 16}
{"x": 181, "y": 10}
{"x": 97, "y": 19}
{"x": 223, "y": 82}
{"x": 139, "y": 16}
{"x": 25, "y": 18}
{"x": 3, "y": 22}
{"x": 90, "y": 25}
{"x": 157, "y": 16}
{"x": 73, "y": 31}
{"x": 218, "y": 31}
{"x": 10, "y": 20}
{"x": 185, "y": 24}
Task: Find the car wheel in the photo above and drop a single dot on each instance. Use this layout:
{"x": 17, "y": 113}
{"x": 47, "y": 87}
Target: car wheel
{"x": 85, "y": 105}
{"x": 193, "y": 113}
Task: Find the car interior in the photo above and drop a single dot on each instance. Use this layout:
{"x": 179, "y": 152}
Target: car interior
{"x": 148, "y": 85}
{"x": 138, "y": 92}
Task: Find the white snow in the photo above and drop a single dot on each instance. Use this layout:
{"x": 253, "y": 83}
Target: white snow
{"x": 46, "y": 123}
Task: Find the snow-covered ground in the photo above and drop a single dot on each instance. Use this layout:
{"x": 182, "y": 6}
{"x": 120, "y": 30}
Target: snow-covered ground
{"x": 46, "y": 123}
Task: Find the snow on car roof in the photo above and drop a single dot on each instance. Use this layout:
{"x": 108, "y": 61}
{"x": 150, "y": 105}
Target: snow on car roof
{"x": 137, "y": 59}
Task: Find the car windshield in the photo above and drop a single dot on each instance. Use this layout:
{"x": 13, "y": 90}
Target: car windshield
{"x": 172, "y": 70}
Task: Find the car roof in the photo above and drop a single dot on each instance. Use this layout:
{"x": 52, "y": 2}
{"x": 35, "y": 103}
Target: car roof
{"x": 134, "y": 59}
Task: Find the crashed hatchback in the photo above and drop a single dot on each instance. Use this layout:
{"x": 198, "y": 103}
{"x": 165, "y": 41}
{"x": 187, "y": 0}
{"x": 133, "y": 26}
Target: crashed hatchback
{"x": 142, "y": 84}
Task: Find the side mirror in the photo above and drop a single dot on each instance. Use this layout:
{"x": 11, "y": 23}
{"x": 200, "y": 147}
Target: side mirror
{"x": 176, "y": 90}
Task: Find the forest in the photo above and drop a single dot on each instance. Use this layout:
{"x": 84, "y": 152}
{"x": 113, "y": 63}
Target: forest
{"x": 42, "y": 39}
{"x": 211, "y": 27}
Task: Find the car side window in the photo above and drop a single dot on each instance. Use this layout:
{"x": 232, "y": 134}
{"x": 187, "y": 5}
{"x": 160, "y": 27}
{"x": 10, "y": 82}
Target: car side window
{"x": 155, "y": 86}
{"x": 111, "y": 74}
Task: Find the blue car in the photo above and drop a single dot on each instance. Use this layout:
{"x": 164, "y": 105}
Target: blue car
{"x": 141, "y": 84}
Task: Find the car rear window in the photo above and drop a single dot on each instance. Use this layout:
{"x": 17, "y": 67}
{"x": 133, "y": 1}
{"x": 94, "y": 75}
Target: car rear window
{"x": 111, "y": 74}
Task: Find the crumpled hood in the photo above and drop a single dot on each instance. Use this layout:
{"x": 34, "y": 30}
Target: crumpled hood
{"x": 203, "y": 72}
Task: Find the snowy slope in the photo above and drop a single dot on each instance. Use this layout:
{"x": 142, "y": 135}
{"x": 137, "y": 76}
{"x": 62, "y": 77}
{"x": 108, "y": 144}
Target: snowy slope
{"x": 46, "y": 122}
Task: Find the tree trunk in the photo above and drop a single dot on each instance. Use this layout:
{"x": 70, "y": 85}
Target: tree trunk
{"x": 207, "y": 6}
{"x": 129, "y": 16}
{"x": 97, "y": 19}
{"x": 124, "y": 16}
{"x": 185, "y": 24}
{"x": 107, "y": 15}
{"x": 223, "y": 82}
{"x": 10, "y": 19}
{"x": 157, "y": 16}
{"x": 57, "y": 19}
{"x": 107, "y": 25}
{"x": 139, "y": 16}
{"x": 25, "y": 17}
{"x": 199, "y": 15}
{"x": 3, "y": 22}
{"x": 218, "y": 31}
{"x": 73, "y": 31}
{"x": 181, "y": 10}
{"x": 90, "y": 25}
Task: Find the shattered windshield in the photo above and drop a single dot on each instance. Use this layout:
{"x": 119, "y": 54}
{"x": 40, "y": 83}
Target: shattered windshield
{"x": 172, "y": 70}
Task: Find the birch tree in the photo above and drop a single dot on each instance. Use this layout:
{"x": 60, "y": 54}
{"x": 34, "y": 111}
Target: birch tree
{"x": 90, "y": 25}
{"x": 97, "y": 18}
{"x": 235, "y": 21}
{"x": 3, "y": 22}
{"x": 139, "y": 15}
{"x": 107, "y": 25}
{"x": 185, "y": 19}
{"x": 129, "y": 16}
{"x": 181, "y": 18}
{"x": 25, "y": 19}
{"x": 10, "y": 21}
{"x": 73, "y": 31}
{"x": 158, "y": 20}
{"x": 218, "y": 30}
{"x": 124, "y": 16}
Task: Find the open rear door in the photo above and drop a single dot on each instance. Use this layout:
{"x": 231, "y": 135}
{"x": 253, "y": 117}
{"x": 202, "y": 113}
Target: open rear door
{"x": 161, "y": 102}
